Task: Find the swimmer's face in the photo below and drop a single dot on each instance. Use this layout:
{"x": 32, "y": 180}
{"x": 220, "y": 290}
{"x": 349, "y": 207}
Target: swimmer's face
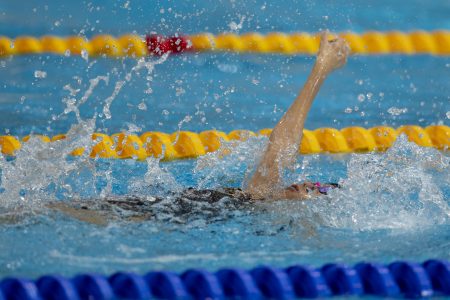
{"x": 305, "y": 190}
{"x": 300, "y": 191}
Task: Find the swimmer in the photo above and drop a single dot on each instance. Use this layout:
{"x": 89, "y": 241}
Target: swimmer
{"x": 281, "y": 151}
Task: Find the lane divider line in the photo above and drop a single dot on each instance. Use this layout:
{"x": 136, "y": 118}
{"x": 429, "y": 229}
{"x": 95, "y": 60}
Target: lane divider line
{"x": 132, "y": 45}
{"x": 187, "y": 144}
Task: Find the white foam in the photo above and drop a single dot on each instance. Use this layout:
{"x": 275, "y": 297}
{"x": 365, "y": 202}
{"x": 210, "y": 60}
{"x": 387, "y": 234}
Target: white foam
{"x": 396, "y": 189}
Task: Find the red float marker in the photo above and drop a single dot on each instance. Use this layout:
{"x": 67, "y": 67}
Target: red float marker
{"x": 159, "y": 45}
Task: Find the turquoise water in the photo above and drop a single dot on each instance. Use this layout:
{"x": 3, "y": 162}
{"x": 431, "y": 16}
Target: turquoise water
{"x": 223, "y": 91}
{"x": 392, "y": 206}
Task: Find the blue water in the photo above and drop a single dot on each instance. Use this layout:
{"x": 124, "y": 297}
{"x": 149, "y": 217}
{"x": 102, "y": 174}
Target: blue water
{"x": 393, "y": 206}
{"x": 225, "y": 92}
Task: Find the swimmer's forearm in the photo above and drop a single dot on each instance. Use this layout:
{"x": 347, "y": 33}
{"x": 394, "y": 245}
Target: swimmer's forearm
{"x": 289, "y": 129}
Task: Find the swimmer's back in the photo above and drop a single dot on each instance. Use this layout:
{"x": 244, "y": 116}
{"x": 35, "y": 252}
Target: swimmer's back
{"x": 133, "y": 208}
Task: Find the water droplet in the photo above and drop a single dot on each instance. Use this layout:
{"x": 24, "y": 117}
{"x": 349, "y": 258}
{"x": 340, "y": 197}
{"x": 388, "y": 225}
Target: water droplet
{"x": 179, "y": 91}
{"x": 227, "y": 68}
{"x": 85, "y": 55}
{"x": 40, "y": 74}
{"x": 142, "y": 106}
{"x": 397, "y": 111}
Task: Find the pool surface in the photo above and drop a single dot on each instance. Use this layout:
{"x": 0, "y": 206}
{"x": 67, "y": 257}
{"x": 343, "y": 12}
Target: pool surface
{"x": 393, "y": 205}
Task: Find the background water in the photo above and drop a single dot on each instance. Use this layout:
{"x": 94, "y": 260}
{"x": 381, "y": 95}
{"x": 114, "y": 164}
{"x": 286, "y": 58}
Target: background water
{"x": 392, "y": 206}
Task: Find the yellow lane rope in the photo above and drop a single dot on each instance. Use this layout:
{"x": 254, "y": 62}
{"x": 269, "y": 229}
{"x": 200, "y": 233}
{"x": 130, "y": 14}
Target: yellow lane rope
{"x": 131, "y": 45}
{"x": 186, "y": 144}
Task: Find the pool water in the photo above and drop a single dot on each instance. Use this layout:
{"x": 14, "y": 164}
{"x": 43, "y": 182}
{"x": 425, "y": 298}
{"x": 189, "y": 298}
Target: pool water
{"x": 393, "y": 205}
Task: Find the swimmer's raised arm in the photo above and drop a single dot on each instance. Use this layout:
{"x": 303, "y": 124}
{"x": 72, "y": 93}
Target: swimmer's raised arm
{"x": 284, "y": 141}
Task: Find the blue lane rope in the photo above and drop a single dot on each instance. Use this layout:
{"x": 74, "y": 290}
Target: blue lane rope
{"x": 398, "y": 279}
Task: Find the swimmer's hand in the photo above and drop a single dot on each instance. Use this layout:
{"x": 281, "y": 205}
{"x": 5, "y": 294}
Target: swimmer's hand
{"x": 332, "y": 53}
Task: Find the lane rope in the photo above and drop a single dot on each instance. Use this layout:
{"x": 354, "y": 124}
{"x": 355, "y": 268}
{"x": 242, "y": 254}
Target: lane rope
{"x": 398, "y": 279}
{"x": 187, "y": 144}
{"x": 132, "y": 45}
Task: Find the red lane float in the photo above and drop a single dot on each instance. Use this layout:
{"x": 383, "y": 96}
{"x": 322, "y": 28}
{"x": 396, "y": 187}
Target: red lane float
{"x": 159, "y": 45}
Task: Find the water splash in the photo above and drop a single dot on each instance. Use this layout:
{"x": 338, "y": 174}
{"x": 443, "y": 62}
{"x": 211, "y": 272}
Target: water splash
{"x": 231, "y": 165}
{"x": 401, "y": 188}
{"x": 42, "y": 172}
{"x": 72, "y": 104}
{"x": 157, "y": 181}
{"x": 142, "y": 63}
{"x": 39, "y": 170}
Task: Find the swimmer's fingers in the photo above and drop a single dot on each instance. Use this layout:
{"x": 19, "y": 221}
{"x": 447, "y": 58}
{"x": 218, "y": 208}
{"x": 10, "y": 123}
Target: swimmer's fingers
{"x": 323, "y": 37}
{"x": 343, "y": 46}
{"x": 332, "y": 53}
{"x": 336, "y": 42}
